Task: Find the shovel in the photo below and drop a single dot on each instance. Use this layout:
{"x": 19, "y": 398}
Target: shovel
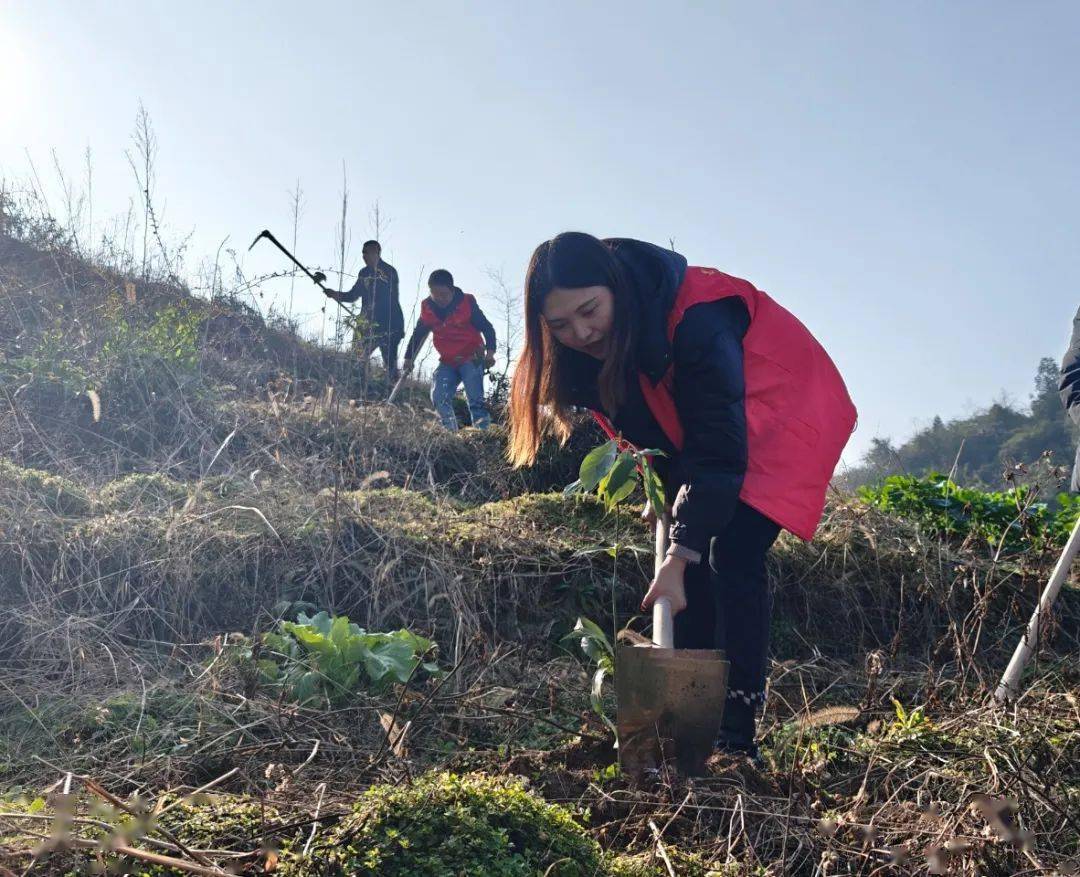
{"x": 397, "y": 387}
{"x": 670, "y": 701}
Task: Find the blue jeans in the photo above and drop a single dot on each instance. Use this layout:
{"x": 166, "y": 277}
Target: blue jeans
{"x": 444, "y": 386}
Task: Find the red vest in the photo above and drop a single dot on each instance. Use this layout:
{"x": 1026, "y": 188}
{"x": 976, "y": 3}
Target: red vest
{"x": 455, "y": 337}
{"x": 798, "y": 412}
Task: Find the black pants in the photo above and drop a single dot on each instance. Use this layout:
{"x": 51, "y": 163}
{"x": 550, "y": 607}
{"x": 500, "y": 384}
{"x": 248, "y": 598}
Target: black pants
{"x": 388, "y": 347}
{"x": 386, "y": 342}
{"x": 728, "y": 606}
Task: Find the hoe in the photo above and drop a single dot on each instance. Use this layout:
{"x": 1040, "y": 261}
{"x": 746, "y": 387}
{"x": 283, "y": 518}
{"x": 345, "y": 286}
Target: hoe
{"x": 670, "y": 701}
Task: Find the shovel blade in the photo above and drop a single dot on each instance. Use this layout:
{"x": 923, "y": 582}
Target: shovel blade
{"x": 670, "y": 703}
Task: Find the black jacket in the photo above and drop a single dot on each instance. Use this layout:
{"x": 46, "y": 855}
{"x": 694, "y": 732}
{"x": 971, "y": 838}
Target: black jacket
{"x": 379, "y": 298}
{"x": 1070, "y": 388}
{"x": 705, "y": 478}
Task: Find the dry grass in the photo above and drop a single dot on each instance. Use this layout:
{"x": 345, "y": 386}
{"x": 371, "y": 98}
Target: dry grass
{"x": 142, "y": 552}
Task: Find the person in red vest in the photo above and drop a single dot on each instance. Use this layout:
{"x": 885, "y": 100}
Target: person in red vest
{"x": 465, "y": 341}
{"x": 749, "y": 409}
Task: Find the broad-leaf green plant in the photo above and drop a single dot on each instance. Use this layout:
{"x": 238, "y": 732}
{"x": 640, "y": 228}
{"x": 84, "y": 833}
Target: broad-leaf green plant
{"x": 324, "y": 658}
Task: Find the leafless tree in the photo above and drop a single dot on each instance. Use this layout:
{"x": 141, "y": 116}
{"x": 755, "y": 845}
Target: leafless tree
{"x": 344, "y": 238}
{"x": 142, "y": 165}
{"x": 508, "y": 302}
{"x": 296, "y": 203}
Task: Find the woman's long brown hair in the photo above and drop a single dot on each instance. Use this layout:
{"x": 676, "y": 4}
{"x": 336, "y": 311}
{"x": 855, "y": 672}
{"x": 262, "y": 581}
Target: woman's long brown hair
{"x": 538, "y": 394}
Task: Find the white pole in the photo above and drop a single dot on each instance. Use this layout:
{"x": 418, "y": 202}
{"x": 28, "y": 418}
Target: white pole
{"x": 397, "y": 387}
{"x": 1008, "y": 688}
{"x": 663, "y": 627}
{"x": 660, "y": 545}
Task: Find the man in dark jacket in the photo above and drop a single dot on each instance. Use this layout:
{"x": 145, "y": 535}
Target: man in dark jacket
{"x": 380, "y": 308}
{"x": 1070, "y": 388}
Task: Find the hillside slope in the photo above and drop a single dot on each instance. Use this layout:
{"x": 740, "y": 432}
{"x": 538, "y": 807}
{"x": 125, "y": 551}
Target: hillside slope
{"x": 180, "y": 482}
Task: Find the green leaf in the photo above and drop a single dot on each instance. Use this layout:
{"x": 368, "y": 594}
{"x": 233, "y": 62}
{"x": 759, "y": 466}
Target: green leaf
{"x": 654, "y": 488}
{"x": 597, "y": 690}
{"x": 306, "y": 688}
{"x": 613, "y": 550}
{"x": 619, "y": 481}
{"x": 339, "y": 631}
{"x": 388, "y": 658}
{"x": 340, "y": 680}
{"x": 314, "y": 640}
{"x": 321, "y": 622}
{"x": 419, "y": 644}
{"x": 593, "y": 640}
{"x": 433, "y": 669}
{"x": 597, "y": 464}
{"x": 285, "y": 646}
{"x": 268, "y": 671}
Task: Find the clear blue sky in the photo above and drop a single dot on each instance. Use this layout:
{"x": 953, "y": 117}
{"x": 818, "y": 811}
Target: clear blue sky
{"x": 904, "y": 177}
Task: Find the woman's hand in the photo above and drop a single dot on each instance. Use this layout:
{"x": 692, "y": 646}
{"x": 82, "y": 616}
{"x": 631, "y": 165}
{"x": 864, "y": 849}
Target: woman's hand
{"x": 668, "y": 583}
{"x": 648, "y": 514}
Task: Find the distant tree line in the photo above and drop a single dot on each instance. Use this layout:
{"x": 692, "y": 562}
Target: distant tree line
{"x": 982, "y": 448}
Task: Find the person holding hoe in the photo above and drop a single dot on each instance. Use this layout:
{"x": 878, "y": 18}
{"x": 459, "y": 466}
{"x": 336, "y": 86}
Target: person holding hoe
{"x": 465, "y": 341}
{"x": 383, "y": 327}
{"x": 748, "y": 408}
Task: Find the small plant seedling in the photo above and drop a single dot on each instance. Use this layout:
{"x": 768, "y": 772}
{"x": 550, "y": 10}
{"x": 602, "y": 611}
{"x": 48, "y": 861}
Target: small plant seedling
{"x": 597, "y": 648}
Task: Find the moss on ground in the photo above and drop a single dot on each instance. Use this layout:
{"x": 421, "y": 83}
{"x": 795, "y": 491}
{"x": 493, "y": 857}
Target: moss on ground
{"x": 149, "y": 493}
{"x": 553, "y": 522}
{"x": 685, "y": 864}
{"x": 446, "y": 825}
{"x": 43, "y": 492}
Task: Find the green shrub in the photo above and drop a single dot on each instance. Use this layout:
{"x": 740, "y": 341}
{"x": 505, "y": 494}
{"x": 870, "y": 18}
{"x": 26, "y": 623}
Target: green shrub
{"x": 812, "y": 749}
{"x": 321, "y": 659}
{"x": 1008, "y": 518}
{"x": 172, "y": 338}
{"x": 445, "y": 825}
{"x": 51, "y": 364}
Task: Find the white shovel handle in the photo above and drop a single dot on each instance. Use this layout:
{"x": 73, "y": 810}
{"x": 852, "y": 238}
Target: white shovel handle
{"x": 663, "y": 630}
{"x": 660, "y": 545}
{"x": 397, "y": 387}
